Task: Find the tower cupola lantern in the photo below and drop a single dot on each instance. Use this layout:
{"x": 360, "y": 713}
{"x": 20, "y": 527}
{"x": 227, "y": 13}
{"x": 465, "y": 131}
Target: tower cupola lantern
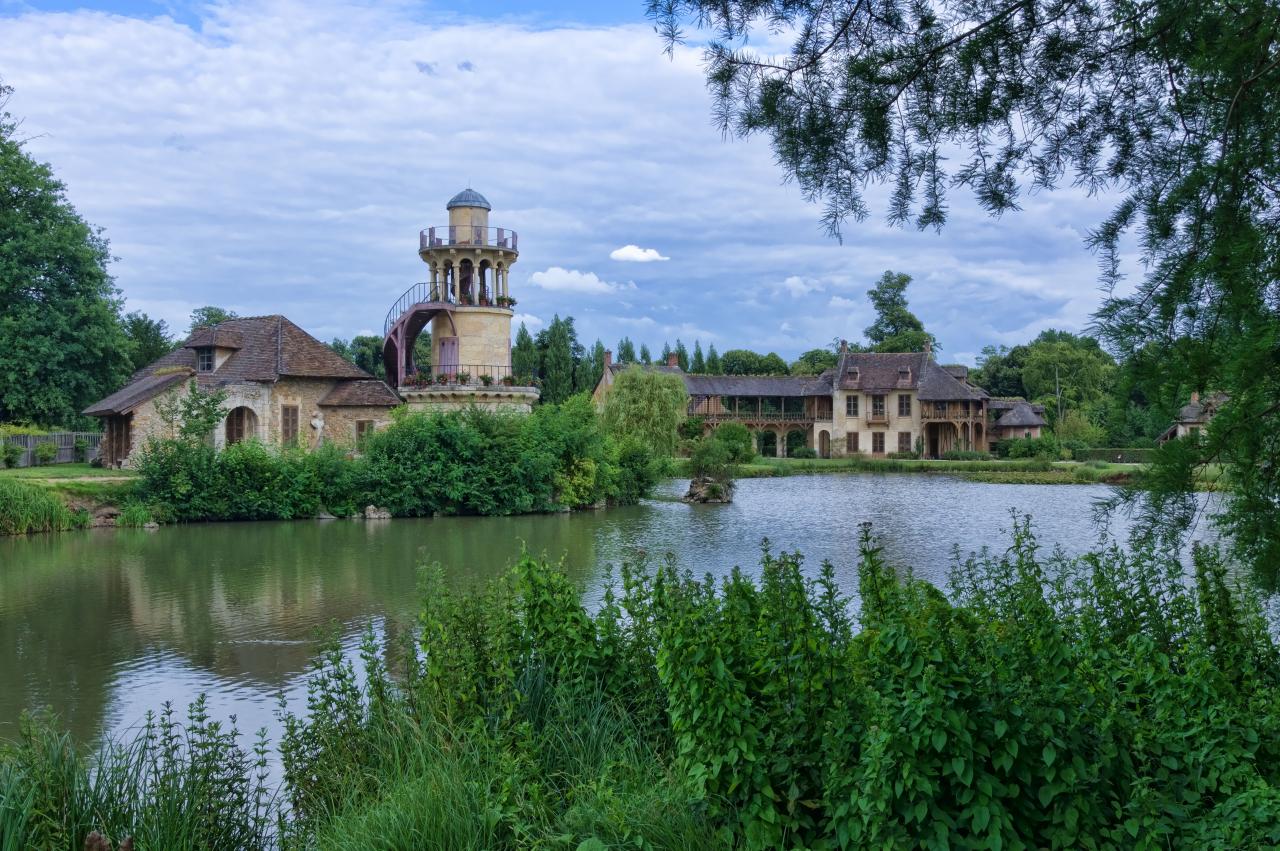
{"x": 466, "y": 304}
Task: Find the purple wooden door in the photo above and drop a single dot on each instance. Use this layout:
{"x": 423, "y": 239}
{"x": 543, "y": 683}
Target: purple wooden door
{"x": 448, "y": 356}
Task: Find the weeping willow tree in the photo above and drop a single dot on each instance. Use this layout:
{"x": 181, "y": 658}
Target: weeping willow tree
{"x": 1169, "y": 106}
{"x": 649, "y": 406}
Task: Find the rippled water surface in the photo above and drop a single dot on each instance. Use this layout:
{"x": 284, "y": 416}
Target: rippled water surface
{"x": 101, "y": 626}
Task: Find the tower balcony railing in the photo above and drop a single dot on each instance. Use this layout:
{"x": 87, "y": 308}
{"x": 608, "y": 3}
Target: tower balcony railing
{"x": 468, "y": 236}
{"x": 467, "y": 375}
{"x": 425, "y": 292}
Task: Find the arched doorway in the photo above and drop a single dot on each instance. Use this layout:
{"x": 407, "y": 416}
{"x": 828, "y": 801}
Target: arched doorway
{"x": 767, "y": 443}
{"x": 796, "y": 440}
{"x": 242, "y": 424}
{"x": 485, "y": 284}
{"x": 466, "y": 278}
{"x": 824, "y": 444}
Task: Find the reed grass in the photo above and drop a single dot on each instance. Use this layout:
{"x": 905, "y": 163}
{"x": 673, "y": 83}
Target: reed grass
{"x": 174, "y": 785}
{"x": 26, "y": 508}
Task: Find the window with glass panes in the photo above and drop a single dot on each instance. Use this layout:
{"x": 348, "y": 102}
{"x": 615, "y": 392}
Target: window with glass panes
{"x": 851, "y": 442}
{"x": 877, "y": 442}
{"x": 904, "y": 441}
{"x": 289, "y": 425}
{"x": 851, "y": 406}
{"x": 904, "y": 405}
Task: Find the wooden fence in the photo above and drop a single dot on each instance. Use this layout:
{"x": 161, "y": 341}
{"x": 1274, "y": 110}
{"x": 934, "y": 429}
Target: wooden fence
{"x": 64, "y": 440}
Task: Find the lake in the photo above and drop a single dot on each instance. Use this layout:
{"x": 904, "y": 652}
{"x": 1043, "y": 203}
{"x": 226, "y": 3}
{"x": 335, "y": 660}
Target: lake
{"x": 103, "y": 625}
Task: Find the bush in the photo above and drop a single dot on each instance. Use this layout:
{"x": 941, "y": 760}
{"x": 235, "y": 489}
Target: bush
{"x": 45, "y": 452}
{"x": 471, "y": 462}
{"x": 737, "y": 438}
{"x": 80, "y": 449}
{"x": 1100, "y": 702}
{"x": 1028, "y": 447}
{"x": 10, "y": 453}
{"x": 802, "y": 452}
{"x": 691, "y": 428}
{"x": 711, "y": 459}
{"x": 903, "y": 456}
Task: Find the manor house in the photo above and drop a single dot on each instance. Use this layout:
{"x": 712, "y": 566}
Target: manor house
{"x": 870, "y": 403}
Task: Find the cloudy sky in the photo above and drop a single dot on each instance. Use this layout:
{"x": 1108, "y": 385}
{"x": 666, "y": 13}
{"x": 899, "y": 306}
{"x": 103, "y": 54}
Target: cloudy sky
{"x": 281, "y": 157}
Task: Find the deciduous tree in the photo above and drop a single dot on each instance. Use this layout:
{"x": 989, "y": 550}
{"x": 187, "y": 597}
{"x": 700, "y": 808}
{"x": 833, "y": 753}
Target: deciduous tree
{"x": 62, "y": 346}
{"x": 1169, "y": 106}
{"x": 649, "y": 406}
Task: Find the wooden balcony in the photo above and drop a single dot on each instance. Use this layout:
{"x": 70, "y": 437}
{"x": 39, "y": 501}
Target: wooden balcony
{"x": 952, "y": 414}
{"x": 754, "y": 417}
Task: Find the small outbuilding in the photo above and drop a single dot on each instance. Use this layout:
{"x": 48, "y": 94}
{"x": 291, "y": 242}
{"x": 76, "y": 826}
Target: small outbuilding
{"x": 284, "y": 388}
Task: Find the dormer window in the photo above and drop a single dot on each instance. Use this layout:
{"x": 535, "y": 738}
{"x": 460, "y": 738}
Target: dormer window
{"x": 204, "y": 359}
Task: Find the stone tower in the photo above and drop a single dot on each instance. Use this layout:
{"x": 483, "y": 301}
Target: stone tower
{"x": 467, "y": 305}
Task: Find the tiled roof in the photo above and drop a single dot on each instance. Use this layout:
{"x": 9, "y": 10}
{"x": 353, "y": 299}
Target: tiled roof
{"x": 1021, "y": 415}
{"x": 217, "y": 337}
{"x": 880, "y": 372}
{"x": 870, "y": 372}
{"x": 270, "y": 348}
{"x": 136, "y": 392}
{"x": 1200, "y": 410}
{"x": 365, "y": 393}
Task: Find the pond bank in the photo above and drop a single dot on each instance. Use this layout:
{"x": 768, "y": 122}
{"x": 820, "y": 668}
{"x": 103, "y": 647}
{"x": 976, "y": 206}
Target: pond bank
{"x": 1021, "y": 471}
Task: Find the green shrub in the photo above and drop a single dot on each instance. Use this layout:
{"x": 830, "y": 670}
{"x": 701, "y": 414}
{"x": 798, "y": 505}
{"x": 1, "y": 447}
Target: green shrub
{"x": 471, "y": 462}
{"x": 10, "y": 453}
{"x": 691, "y": 428}
{"x": 638, "y": 472}
{"x": 710, "y": 458}
{"x": 737, "y": 439}
{"x": 26, "y": 507}
{"x": 1028, "y": 447}
{"x": 903, "y": 456}
{"x": 802, "y": 452}
{"x": 45, "y": 452}
{"x": 80, "y": 449}
{"x": 1100, "y": 702}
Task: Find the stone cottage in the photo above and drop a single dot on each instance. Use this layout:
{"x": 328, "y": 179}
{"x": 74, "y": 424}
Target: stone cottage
{"x": 1195, "y": 416}
{"x": 284, "y": 388}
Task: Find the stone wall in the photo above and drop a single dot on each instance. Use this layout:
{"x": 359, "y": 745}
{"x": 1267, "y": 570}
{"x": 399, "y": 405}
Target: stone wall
{"x": 843, "y": 425}
{"x": 484, "y": 337}
{"x": 315, "y": 423}
{"x": 340, "y": 423}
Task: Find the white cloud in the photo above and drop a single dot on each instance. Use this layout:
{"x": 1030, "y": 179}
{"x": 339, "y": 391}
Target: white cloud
{"x": 797, "y": 286}
{"x": 785, "y": 327}
{"x": 561, "y": 280}
{"x": 635, "y": 254}
{"x": 527, "y": 318}
{"x": 230, "y": 170}
{"x": 842, "y": 303}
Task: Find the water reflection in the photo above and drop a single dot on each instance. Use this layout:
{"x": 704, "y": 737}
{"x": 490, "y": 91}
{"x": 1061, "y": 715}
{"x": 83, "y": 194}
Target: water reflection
{"x": 106, "y": 624}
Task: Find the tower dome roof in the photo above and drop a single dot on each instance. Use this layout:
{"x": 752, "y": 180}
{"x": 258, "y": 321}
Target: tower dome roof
{"x": 468, "y": 198}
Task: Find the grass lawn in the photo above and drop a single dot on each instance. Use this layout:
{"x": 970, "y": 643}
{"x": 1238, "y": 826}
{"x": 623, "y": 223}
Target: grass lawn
{"x": 67, "y": 471}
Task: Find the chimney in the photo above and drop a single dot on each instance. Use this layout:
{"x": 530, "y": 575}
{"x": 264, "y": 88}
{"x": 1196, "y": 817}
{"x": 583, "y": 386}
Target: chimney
{"x": 1195, "y": 397}
{"x": 844, "y": 347}
{"x": 608, "y": 358}
{"x": 928, "y": 347}
{"x": 673, "y": 359}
